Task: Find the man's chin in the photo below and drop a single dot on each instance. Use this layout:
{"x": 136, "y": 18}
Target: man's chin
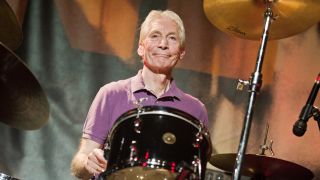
{"x": 160, "y": 70}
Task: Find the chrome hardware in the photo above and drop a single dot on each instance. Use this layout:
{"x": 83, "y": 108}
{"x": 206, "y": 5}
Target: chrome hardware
{"x": 137, "y": 125}
{"x": 241, "y": 84}
{"x": 133, "y": 153}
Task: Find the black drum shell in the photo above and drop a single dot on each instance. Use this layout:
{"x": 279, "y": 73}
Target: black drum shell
{"x": 128, "y": 147}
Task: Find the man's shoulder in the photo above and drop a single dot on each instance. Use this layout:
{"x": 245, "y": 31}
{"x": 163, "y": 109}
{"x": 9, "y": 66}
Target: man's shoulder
{"x": 191, "y": 98}
{"x": 116, "y": 86}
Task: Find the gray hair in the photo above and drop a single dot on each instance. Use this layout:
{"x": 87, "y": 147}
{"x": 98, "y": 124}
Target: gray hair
{"x": 154, "y": 14}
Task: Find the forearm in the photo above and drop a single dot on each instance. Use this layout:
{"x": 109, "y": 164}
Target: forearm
{"x": 78, "y": 166}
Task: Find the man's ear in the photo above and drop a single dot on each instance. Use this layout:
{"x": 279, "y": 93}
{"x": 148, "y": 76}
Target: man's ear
{"x": 182, "y": 53}
{"x": 140, "y": 50}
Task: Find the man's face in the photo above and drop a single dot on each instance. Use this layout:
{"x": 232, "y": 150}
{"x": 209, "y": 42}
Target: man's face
{"x": 161, "y": 50}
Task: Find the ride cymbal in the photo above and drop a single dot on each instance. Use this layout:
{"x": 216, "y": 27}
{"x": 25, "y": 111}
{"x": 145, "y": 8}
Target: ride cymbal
{"x": 23, "y": 104}
{"x": 245, "y": 18}
{"x": 10, "y": 28}
{"x": 262, "y": 166}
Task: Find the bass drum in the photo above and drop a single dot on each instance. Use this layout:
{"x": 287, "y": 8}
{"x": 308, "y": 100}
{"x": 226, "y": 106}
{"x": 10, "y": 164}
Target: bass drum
{"x": 6, "y": 177}
{"x": 156, "y": 142}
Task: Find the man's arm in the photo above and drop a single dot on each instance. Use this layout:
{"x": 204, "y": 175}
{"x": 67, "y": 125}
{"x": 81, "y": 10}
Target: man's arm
{"x": 89, "y": 160}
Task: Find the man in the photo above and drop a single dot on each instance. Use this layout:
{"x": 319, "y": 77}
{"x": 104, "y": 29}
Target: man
{"x": 161, "y": 46}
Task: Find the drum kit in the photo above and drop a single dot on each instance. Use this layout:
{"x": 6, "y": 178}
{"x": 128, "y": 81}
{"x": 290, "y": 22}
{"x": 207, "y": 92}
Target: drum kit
{"x": 155, "y": 142}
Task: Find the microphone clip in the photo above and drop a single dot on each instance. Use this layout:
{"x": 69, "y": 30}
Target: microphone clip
{"x": 307, "y": 112}
{"x": 316, "y": 115}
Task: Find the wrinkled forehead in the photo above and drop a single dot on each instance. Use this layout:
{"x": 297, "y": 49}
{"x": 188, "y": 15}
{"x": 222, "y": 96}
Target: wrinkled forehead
{"x": 163, "y": 25}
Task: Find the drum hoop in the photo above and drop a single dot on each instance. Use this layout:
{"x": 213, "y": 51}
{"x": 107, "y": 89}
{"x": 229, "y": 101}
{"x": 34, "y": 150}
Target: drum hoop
{"x": 158, "y": 110}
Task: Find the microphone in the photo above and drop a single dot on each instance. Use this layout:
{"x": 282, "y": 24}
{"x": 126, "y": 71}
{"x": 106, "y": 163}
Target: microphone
{"x": 300, "y": 127}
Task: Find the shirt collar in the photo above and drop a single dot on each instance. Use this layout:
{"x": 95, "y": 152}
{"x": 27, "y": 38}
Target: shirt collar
{"x": 137, "y": 84}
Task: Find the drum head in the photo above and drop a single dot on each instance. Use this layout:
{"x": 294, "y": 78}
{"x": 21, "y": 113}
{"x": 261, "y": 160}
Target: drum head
{"x": 145, "y": 173}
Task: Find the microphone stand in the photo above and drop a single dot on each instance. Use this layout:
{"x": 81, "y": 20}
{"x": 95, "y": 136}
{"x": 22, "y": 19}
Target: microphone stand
{"x": 254, "y": 87}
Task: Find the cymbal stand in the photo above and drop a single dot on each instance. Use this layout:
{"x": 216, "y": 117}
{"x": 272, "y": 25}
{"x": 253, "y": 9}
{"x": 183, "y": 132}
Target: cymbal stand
{"x": 264, "y": 146}
{"x": 254, "y": 87}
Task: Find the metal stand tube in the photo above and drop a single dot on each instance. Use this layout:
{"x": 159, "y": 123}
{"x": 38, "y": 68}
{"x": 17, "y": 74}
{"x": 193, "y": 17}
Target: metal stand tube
{"x": 255, "y": 85}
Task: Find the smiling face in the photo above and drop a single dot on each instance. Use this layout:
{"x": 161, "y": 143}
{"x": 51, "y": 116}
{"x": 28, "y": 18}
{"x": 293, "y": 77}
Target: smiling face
{"x": 161, "y": 49}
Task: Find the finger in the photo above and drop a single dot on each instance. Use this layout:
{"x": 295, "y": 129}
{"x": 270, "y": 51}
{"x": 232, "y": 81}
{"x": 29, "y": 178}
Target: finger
{"x": 96, "y": 162}
{"x": 99, "y": 155}
{"x": 93, "y": 167}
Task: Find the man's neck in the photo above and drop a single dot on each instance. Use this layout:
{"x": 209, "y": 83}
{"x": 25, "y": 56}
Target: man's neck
{"x": 158, "y": 84}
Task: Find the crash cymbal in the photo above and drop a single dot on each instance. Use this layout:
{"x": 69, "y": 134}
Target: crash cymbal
{"x": 245, "y": 18}
{"x": 23, "y": 104}
{"x": 10, "y": 28}
{"x": 262, "y": 166}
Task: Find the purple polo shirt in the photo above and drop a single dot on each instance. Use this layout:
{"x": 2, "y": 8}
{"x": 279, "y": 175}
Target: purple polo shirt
{"x": 116, "y": 98}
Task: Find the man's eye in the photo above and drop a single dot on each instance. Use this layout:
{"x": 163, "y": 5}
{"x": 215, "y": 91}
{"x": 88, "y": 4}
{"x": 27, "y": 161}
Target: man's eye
{"x": 173, "y": 38}
{"x": 154, "y": 35}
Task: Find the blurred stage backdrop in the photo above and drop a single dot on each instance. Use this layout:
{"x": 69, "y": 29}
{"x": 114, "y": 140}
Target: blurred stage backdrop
{"x": 74, "y": 47}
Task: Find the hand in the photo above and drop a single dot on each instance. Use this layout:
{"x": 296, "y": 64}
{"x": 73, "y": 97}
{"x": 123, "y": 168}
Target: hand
{"x": 96, "y": 163}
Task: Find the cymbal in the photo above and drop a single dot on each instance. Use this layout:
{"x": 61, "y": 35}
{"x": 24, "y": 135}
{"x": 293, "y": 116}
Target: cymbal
{"x": 245, "y": 18}
{"x": 23, "y": 104}
{"x": 262, "y": 166}
{"x": 10, "y": 28}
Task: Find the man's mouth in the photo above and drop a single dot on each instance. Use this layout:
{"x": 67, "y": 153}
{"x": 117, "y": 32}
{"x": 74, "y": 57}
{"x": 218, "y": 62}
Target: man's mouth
{"x": 162, "y": 55}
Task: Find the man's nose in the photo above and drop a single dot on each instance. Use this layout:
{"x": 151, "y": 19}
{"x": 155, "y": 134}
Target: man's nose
{"x": 163, "y": 44}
